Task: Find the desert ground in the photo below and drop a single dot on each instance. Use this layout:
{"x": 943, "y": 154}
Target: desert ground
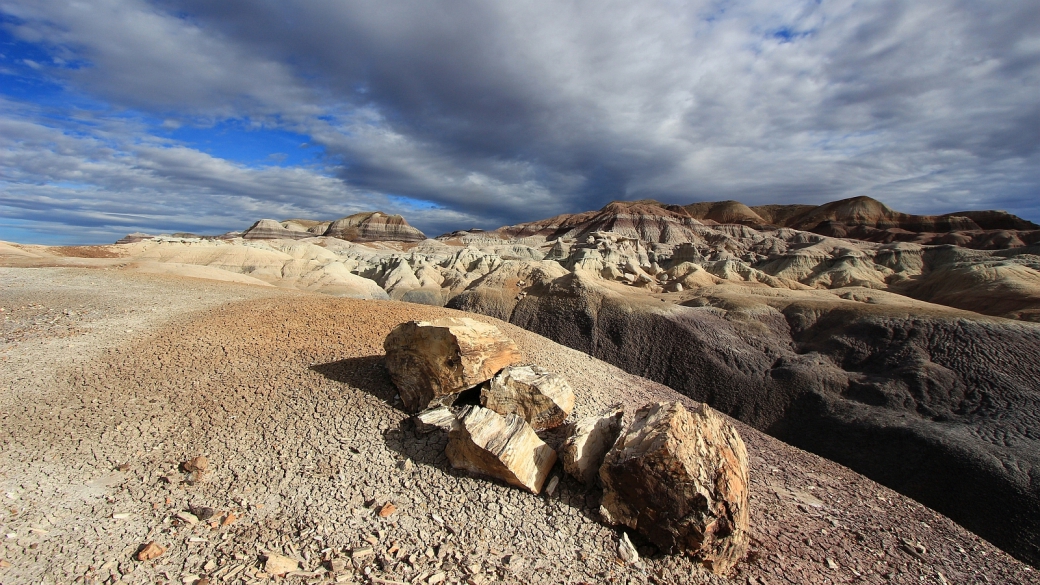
{"x": 111, "y": 378}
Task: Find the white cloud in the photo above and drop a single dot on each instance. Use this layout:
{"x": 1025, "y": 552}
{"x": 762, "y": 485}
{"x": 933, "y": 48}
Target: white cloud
{"x": 109, "y": 182}
{"x": 511, "y": 111}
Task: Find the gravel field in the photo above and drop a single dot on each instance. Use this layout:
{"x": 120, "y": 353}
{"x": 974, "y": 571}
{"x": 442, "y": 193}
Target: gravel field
{"x": 110, "y": 380}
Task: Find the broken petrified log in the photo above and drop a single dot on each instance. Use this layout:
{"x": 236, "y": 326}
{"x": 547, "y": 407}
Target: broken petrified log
{"x": 434, "y": 419}
{"x": 431, "y": 362}
{"x": 589, "y": 441}
{"x": 503, "y": 447}
{"x": 680, "y": 478}
{"x": 538, "y": 396}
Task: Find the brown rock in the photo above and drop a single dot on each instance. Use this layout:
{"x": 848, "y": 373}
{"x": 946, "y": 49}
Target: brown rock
{"x": 202, "y": 512}
{"x": 587, "y": 444}
{"x": 503, "y": 447}
{"x": 540, "y": 397}
{"x": 680, "y": 478}
{"x": 279, "y": 565}
{"x": 387, "y": 509}
{"x": 150, "y": 551}
{"x": 431, "y": 362}
{"x": 196, "y": 464}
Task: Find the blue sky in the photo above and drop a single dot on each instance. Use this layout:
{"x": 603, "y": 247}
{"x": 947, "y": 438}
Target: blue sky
{"x": 130, "y": 115}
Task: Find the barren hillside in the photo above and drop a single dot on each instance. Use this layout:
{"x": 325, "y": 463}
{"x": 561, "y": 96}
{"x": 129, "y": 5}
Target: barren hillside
{"x": 286, "y": 396}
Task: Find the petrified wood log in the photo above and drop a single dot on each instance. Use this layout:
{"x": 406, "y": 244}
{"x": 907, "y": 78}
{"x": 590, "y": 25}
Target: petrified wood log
{"x": 680, "y": 478}
{"x": 431, "y": 362}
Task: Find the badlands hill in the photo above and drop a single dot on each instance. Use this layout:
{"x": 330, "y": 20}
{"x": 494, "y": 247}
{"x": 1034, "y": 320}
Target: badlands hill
{"x": 910, "y": 361}
{"x": 360, "y": 227}
{"x": 859, "y": 218}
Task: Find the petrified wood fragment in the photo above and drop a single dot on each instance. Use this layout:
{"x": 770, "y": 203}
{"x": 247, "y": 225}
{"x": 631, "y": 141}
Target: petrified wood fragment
{"x": 587, "y": 444}
{"x": 680, "y": 478}
{"x": 503, "y": 447}
{"x": 431, "y": 362}
{"x": 540, "y": 397}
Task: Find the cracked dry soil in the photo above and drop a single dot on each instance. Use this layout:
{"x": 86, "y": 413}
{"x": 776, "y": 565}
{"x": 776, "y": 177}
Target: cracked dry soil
{"x": 286, "y": 395}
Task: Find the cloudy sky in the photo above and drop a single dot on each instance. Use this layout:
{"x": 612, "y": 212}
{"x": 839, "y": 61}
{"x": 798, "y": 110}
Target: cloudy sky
{"x": 194, "y": 115}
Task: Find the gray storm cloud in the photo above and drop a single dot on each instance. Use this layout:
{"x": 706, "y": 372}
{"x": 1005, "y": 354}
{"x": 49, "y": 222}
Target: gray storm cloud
{"x": 502, "y": 112}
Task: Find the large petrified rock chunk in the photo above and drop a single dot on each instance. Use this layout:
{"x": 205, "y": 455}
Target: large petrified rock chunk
{"x": 431, "y": 362}
{"x": 503, "y": 447}
{"x": 681, "y": 479}
{"x": 590, "y": 439}
{"x": 540, "y": 397}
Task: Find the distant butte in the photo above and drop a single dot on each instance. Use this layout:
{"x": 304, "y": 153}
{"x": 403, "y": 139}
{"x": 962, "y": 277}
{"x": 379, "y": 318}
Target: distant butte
{"x": 860, "y": 218}
{"x": 372, "y": 226}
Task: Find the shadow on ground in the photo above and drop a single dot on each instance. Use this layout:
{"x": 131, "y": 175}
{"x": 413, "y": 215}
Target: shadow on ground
{"x": 367, "y": 373}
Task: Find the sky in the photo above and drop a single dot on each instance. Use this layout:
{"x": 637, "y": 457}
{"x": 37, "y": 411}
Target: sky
{"x": 192, "y": 115}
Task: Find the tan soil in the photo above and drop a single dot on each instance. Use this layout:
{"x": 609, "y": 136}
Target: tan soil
{"x": 286, "y": 395}
{"x": 86, "y": 251}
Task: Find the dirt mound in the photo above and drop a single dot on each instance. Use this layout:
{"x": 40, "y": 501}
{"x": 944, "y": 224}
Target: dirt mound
{"x": 725, "y": 212}
{"x": 289, "y": 401}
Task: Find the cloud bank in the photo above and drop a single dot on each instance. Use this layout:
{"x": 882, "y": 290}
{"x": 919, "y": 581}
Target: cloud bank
{"x": 459, "y": 113}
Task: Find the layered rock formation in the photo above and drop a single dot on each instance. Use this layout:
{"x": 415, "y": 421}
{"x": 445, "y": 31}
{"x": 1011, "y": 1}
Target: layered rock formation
{"x": 867, "y": 219}
{"x": 372, "y": 226}
{"x": 647, "y": 221}
{"x": 858, "y": 218}
{"x": 269, "y": 229}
